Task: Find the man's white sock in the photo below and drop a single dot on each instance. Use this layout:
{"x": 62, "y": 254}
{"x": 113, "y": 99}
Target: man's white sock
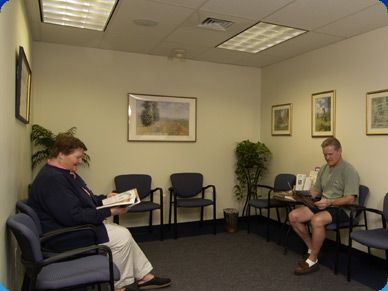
{"x": 311, "y": 263}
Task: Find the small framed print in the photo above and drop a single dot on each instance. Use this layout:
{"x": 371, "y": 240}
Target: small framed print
{"x": 282, "y": 119}
{"x": 323, "y": 114}
{"x": 377, "y": 112}
{"x": 23, "y": 88}
{"x": 162, "y": 118}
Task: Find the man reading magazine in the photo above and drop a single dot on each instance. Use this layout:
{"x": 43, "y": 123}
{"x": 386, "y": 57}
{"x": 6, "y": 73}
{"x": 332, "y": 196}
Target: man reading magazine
{"x": 337, "y": 184}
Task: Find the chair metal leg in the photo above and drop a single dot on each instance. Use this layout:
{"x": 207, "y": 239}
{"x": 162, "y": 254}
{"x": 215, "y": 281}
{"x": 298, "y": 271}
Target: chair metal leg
{"x": 337, "y": 250}
{"x": 201, "y": 218}
{"x": 249, "y": 219}
{"x": 268, "y": 221}
{"x": 150, "y": 222}
{"x": 161, "y": 224}
{"x": 348, "y": 275}
{"x": 214, "y": 219}
{"x": 175, "y": 222}
{"x": 169, "y": 214}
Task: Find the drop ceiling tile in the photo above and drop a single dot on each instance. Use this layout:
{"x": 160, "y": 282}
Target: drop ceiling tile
{"x": 259, "y": 60}
{"x": 70, "y": 35}
{"x": 183, "y": 3}
{"x": 366, "y": 20}
{"x": 168, "y": 49}
{"x": 132, "y": 44}
{"x": 311, "y": 14}
{"x": 250, "y": 9}
{"x": 301, "y": 44}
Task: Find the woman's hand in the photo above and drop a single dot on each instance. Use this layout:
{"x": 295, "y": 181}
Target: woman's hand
{"x": 111, "y": 194}
{"x": 118, "y": 210}
{"x": 323, "y": 203}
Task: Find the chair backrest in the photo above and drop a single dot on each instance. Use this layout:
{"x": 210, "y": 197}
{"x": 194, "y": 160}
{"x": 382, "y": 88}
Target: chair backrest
{"x": 187, "y": 184}
{"x": 23, "y": 207}
{"x": 363, "y": 192}
{"x": 27, "y": 236}
{"x": 284, "y": 182}
{"x": 139, "y": 181}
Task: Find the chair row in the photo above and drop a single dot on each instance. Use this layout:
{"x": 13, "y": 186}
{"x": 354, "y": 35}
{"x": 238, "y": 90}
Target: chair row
{"x": 376, "y": 238}
{"x": 186, "y": 191}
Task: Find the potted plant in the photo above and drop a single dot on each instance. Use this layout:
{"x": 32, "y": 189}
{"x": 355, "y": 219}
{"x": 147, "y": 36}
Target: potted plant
{"x": 252, "y": 162}
{"x": 43, "y": 140}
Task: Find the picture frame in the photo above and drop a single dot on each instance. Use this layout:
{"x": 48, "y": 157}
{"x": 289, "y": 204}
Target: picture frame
{"x": 323, "y": 114}
{"x": 162, "y": 118}
{"x": 377, "y": 112}
{"x": 23, "y": 87}
{"x": 281, "y": 119}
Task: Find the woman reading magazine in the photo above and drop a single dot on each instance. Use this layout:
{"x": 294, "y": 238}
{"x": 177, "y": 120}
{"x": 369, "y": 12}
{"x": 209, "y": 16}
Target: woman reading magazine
{"x": 61, "y": 199}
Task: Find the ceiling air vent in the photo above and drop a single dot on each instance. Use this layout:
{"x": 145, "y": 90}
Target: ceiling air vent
{"x": 215, "y": 24}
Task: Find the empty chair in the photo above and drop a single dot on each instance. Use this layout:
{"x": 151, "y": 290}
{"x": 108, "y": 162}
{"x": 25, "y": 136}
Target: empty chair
{"x": 143, "y": 185}
{"x": 373, "y": 238}
{"x": 357, "y": 222}
{"x": 64, "y": 270}
{"x": 184, "y": 191}
{"x": 283, "y": 182}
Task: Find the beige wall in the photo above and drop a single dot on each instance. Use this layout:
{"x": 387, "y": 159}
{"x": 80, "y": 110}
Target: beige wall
{"x": 88, "y": 88}
{"x": 15, "y": 172}
{"x": 352, "y": 68}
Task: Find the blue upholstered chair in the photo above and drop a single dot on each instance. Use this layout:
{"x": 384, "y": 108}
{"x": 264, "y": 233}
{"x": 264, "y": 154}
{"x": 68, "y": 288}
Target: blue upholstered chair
{"x": 359, "y": 220}
{"x": 283, "y": 182}
{"x": 63, "y": 270}
{"x": 374, "y": 238}
{"x": 184, "y": 191}
{"x": 143, "y": 185}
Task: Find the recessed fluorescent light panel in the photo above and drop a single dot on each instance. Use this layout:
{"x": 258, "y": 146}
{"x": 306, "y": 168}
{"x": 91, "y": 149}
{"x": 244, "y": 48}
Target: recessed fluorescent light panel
{"x": 260, "y": 37}
{"x": 89, "y": 14}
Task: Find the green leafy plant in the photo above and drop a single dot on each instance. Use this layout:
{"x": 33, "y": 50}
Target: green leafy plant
{"x": 252, "y": 162}
{"x": 43, "y": 140}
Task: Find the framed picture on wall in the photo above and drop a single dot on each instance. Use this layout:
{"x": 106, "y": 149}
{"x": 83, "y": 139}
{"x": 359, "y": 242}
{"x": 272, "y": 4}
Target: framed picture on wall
{"x": 323, "y": 114}
{"x": 377, "y": 112}
{"x": 23, "y": 88}
{"x": 161, "y": 118}
{"x": 282, "y": 119}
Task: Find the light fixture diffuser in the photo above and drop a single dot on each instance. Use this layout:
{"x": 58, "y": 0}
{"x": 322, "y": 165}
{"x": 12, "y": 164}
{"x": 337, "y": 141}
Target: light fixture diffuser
{"x": 89, "y": 14}
{"x": 260, "y": 37}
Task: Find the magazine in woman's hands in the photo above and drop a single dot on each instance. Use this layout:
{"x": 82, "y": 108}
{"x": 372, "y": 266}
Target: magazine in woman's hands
{"x": 128, "y": 198}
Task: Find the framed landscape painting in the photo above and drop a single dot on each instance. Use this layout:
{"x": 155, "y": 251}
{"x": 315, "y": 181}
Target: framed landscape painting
{"x": 23, "y": 88}
{"x": 377, "y": 112}
{"x": 281, "y": 119}
{"x": 323, "y": 114}
{"x": 161, "y": 118}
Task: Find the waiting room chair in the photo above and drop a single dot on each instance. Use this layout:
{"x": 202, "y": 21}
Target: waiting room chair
{"x": 283, "y": 182}
{"x": 357, "y": 222}
{"x": 64, "y": 270}
{"x": 47, "y": 246}
{"x": 185, "y": 187}
{"x": 373, "y": 238}
{"x": 143, "y": 185}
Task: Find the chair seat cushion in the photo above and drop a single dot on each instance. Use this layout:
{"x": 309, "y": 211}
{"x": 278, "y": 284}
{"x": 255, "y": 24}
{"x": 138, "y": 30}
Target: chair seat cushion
{"x": 144, "y": 206}
{"x": 375, "y": 238}
{"x": 76, "y": 272}
{"x": 193, "y": 202}
{"x": 263, "y": 203}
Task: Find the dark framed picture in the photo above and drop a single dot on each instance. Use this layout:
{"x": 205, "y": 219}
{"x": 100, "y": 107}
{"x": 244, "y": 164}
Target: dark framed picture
{"x": 323, "y": 114}
{"x": 161, "y": 118}
{"x": 23, "y": 87}
{"x": 377, "y": 112}
{"x": 282, "y": 119}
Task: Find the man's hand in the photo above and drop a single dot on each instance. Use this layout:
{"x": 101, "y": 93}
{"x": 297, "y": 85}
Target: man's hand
{"x": 323, "y": 203}
{"x": 118, "y": 210}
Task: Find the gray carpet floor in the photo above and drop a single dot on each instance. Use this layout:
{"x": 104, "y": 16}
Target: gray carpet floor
{"x": 237, "y": 261}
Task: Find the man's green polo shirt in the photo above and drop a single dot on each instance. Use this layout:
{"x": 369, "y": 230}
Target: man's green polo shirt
{"x": 337, "y": 182}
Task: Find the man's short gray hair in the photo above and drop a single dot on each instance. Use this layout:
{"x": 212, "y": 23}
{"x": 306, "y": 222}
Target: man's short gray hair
{"x": 331, "y": 141}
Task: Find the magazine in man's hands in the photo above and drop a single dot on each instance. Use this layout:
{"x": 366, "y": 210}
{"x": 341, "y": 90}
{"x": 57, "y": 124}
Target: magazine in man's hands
{"x": 128, "y": 198}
